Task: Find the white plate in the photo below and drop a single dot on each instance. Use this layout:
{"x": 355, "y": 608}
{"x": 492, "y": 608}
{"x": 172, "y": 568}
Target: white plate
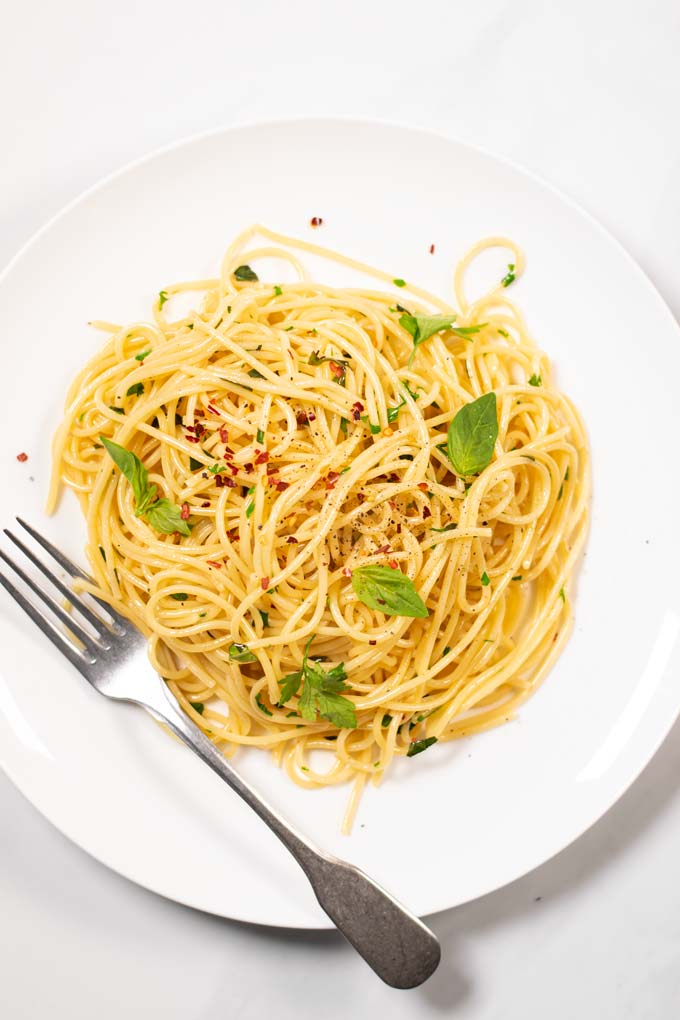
{"x": 469, "y": 816}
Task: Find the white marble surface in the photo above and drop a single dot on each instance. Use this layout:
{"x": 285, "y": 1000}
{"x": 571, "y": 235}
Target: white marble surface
{"x": 586, "y": 94}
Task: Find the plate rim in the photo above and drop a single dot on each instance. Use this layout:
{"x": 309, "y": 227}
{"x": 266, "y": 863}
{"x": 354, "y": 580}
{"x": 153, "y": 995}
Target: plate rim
{"x": 331, "y": 122}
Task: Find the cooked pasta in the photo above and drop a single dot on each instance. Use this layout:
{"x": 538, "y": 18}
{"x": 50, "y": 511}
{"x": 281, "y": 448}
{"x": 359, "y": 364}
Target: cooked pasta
{"x": 274, "y": 480}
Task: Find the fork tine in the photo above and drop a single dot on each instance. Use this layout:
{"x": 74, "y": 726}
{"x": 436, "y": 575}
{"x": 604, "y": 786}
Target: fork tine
{"x": 82, "y": 635}
{"x": 56, "y": 636}
{"x": 71, "y": 568}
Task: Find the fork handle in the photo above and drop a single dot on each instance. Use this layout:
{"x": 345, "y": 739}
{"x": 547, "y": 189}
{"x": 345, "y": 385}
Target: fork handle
{"x": 392, "y": 940}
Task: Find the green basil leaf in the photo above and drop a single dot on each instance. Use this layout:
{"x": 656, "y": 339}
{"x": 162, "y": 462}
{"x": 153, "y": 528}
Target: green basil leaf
{"x": 142, "y": 355}
{"x": 510, "y": 275}
{"x": 241, "y": 653}
{"x": 472, "y": 435}
{"x": 162, "y": 298}
{"x": 387, "y": 591}
{"x": 447, "y": 527}
{"x": 420, "y": 745}
{"x": 467, "y": 331}
{"x": 195, "y": 465}
{"x": 245, "y": 273}
{"x": 422, "y": 327}
{"x": 179, "y": 596}
{"x": 135, "y": 390}
{"x": 165, "y": 517}
{"x": 535, "y": 380}
{"x": 133, "y": 469}
{"x": 197, "y": 706}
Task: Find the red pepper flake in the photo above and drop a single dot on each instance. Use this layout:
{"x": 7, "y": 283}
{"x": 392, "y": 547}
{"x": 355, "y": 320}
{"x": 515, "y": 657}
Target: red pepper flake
{"x": 248, "y": 468}
{"x": 185, "y": 512}
{"x": 264, "y": 583}
{"x": 229, "y": 483}
{"x": 346, "y": 572}
{"x": 360, "y": 497}
{"x": 330, "y": 479}
{"x": 393, "y": 477}
{"x": 206, "y": 504}
{"x": 213, "y": 563}
{"x": 219, "y": 481}
{"x": 426, "y": 512}
{"x": 228, "y": 452}
{"x": 272, "y": 479}
{"x": 22, "y": 457}
{"x": 357, "y": 408}
{"x": 291, "y": 540}
{"x": 423, "y": 486}
{"x": 393, "y": 564}
{"x": 233, "y": 535}
{"x": 337, "y": 370}
{"x": 309, "y": 505}
{"x": 372, "y": 642}
{"x": 431, "y": 249}
{"x": 190, "y": 428}
{"x": 271, "y": 469}
{"x": 191, "y": 439}
{"x": 233, "y": 468}
{"x": 311, "y": 416}
{"x": 384, "y": 549}
{"x": 213, "y": 409}
{"x": 198, "y": 429}
{"x": 224, "y": 435}
{"x": 315, "y": 221}
{"x": 262, "y": 457}
{"x": 282, "y": 486}
{"x": 391, "y": 504}
{"x": 198, "y": 414}
{"x": 399, "y": 529}
{"x": 301, "y": 418}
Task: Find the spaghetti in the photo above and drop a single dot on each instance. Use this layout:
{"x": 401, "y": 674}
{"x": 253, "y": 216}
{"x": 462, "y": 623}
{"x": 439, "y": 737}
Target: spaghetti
{"x": 301, "y": 433}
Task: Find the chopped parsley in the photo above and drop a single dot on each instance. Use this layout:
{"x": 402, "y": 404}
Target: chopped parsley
{"x": 420, "y": 745}
{"x": 485, "y": 579}
{"x": 144, "y": 354}
{"x": 399, "y": 282}
{"x": 262, "y": 708}
{"x": 260, "y": 436}
{"x": 179, "y": 596}
{"x": 162, "y": 298}
{"x": 509, "y": 276}
{"x": 535, "y": 380}
{"x": 135, "y": 390}
{"x": 245, "y": 273}
{"x": 277, "y": 290}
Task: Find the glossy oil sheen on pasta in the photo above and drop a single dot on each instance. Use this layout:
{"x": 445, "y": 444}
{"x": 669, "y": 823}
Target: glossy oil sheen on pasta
{"x": 293, "y": 471}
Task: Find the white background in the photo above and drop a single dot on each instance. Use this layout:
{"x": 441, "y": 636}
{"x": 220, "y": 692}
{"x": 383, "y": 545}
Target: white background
{"x": 586, "y": 95}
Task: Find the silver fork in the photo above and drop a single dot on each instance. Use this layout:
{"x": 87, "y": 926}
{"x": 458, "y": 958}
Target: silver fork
{"x": 112, "y": 657}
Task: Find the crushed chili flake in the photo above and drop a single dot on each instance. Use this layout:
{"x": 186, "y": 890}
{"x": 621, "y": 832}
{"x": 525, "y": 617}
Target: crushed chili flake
{"x": 431, "y": 249}
{"x": 315, "y": 221}
{"x": 271, "y": 469}
{"x": 232, "y": 535}
{"x": 224, "y": 435}
{"x": 337, "y": 370}
{"x": 22, "y": 457}
{"x": 346, "y": 572}
{"x": 426, "y": 512}
{"x": 291, "y": 540}
{"x": 393, "y": 477}
{"x": 190, "y": 428}
{"x": 206, "y": 503}
{"x": 361, "y": 496}
{"x": 262, "y": 457}
{"x": 191, "y": 439}
{"x": 213, "y": 563}
{"x": 399, "y": 529}
{"x": 357, "y": 408}
{"x": 372, "y": 642}
{"x": 301, "y": 418}
{"x": 272, "y": 479}
{"x": 384, "y": 549}
{"x": 423, "y": 486}
{"x": 330, "y": 479}
{"x": 229, "y": 483}
{"x": 219, "y": 481}
{"x": 311, "y": 416}
{"x": 248, "y": 468}
{"x": 185, "y": 512}
{"x": 282, "y": 486}
{"x": 233, "y": 468}
{"x": 228, "y": 452}
{"x": 391, "y": 504}
{"x": 264, "y": 583}
{"x": 213, "y": 409}
{"x": 393, "y": 564}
